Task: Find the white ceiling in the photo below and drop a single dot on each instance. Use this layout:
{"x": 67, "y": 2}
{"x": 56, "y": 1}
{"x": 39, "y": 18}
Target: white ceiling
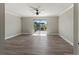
{"x": 47, "y": 9}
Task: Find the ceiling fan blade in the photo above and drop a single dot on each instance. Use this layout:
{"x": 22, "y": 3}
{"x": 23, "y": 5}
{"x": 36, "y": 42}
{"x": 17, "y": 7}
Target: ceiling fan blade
{"x": 33, "y": 8}
{"x": 37, "y": 10}
{"x": 41, "y": 9}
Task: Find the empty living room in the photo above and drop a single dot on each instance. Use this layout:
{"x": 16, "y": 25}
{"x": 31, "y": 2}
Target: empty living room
{"x": 40, "y": 28}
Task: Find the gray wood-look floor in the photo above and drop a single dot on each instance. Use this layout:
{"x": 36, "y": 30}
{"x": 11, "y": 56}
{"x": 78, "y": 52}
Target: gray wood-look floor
{"x": 38, "y": 45}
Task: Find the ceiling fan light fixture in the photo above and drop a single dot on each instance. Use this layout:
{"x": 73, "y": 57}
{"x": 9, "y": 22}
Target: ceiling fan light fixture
{"x": 37, "y": 13}
{"x": 36, "y": 10}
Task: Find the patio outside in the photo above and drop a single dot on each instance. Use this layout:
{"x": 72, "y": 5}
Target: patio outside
{"x": 40, "y": 27}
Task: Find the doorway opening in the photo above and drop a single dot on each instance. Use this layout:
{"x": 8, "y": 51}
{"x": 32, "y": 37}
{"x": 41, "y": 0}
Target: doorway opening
{"x": 40, "y": 27}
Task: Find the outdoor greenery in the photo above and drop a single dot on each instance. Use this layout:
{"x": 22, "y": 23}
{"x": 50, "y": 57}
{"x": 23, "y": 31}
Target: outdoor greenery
{"x": 40, "y": 26}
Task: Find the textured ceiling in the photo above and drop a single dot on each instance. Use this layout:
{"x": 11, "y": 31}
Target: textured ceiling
{"x": 46, "y": 9}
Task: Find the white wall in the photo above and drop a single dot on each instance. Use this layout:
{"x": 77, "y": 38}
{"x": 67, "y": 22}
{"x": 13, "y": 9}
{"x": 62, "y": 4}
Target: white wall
{"x": 27, "y": 24}
{"x": 52, "y": 26}
{"x": 66, "y": 25}
{"x": 12, "y": 25}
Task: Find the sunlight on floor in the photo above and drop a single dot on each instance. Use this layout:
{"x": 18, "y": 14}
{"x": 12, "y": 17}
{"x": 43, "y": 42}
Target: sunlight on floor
{"x": 40, "y": 33}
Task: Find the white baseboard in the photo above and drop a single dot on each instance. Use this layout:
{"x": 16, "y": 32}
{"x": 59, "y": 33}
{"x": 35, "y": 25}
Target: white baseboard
{"x": 71, "y": 43}
{"x": 12, "y": 36}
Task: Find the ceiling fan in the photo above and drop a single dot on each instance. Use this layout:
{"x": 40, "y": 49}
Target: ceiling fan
{"x": 36, "y": 9}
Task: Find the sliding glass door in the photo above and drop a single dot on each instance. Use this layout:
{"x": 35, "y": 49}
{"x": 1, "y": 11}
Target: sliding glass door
{"x": 40, "y": 26}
